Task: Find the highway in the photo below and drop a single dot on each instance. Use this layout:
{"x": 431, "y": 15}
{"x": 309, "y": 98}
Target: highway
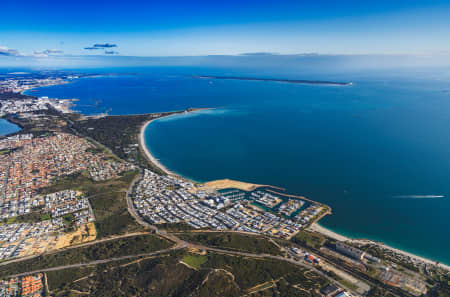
{"x": 96, "y": 262}
{"x": 179, "y": 244}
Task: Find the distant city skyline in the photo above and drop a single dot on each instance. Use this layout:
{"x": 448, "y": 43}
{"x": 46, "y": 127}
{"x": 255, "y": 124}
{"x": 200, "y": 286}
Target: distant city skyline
{"x": 185, "y": 28}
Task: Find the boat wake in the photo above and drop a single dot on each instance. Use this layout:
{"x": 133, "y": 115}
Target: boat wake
{"x": 419, "y": 196}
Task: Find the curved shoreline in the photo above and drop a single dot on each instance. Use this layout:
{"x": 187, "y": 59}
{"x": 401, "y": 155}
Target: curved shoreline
{"x": 144, "y": 147}
{"x": 314, "y": 227}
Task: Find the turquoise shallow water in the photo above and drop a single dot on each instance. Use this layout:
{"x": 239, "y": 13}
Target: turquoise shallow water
{"x": 377, "y": 152}
{"x": 7, "y": 127}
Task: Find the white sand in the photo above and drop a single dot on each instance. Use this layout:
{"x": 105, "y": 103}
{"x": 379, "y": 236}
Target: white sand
{"x": 143, "y": 144}
{"x": 316, "y": 227}
{"x": 147, "y": 152}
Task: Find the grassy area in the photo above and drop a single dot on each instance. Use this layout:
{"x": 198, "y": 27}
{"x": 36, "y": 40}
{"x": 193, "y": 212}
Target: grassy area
{"x": 58, "y": 280}
{"x": 68, "y": 222}
{"x": 4, "y": 152}
{"x": 441, "y": 285}
{"x": 284, "y": 288}
{"x": 220, "y": 275}
{"x": 96, "y": 150}
{"x": 194, "y": 260}
{"x": 114, "y": 248}
{"x": 108, "y": 200}
{"x": 372, "y": 271}
{"x": 261, "y": 287}
{"x": 345, "y": 282}
{"x": 250, "y": 272}
{"x": 233, "y": 241}
{"x": 120, "y": 134}
{"x": 176, "y": 227}
{"x": 218, "y": 283}
{"x": 36, "y": 215}
{"x": 309, "y": 239}
{"x": 161, "y": 276}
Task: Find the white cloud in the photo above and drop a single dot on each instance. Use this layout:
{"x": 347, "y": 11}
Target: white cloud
{"x": 46, "y": 53}
{"x": 53, "y": 51}
{"x": 39, "y": 54}
{"x": 5, "y": 51}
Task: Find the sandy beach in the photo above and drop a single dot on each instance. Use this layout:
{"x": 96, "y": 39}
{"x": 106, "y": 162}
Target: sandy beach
{"x": 314, "y": 227}
{"x": 228, "y": 183}
{"x": 317, "y": 228}
{"x": 143, "y": 145}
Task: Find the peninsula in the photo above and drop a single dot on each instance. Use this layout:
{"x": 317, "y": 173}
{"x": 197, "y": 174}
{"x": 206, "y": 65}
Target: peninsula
{"x": 292, "y": 81}
{"x": 116, "y": 198}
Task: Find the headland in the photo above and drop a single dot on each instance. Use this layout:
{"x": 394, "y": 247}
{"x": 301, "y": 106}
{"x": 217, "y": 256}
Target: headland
{"x": 234, "y": 218}
{"x": 315, "y": 226}
{"x": 292, "y": 81}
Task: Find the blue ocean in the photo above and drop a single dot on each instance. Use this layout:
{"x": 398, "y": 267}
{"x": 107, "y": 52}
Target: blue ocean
{"x": 7, "y": 127}
{"x": 377, "y": 152}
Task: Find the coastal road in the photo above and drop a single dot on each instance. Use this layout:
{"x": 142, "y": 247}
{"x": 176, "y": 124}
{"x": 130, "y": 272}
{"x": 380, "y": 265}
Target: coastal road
{"x": 132, "y": 210}
{"x": 75, "y": 246}
{"x": 179, "y": 244}
{"x": 97, "y": 262}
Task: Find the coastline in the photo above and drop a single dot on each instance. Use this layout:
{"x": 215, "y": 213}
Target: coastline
{"x": 329, "y": 233}
{"x": 63, "y": 105}
{"x": 63, "y": 82}
{"x": 144, "y": 147}
{"x": 316, "y": 227}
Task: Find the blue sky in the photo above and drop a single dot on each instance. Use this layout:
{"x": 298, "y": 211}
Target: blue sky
{"x": 185, "y": 28}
